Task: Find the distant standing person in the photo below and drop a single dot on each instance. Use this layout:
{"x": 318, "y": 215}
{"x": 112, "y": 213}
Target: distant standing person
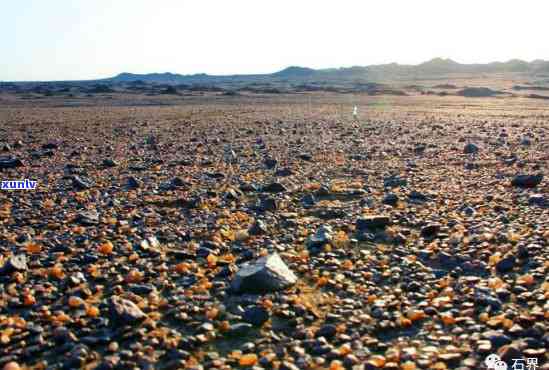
{"x": 355, "y": 112}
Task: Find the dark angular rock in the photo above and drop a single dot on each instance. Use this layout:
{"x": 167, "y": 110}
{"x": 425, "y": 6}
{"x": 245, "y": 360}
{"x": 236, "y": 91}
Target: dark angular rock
{"x": 430, "y": 230}
{"x": 371, "y": 222}
{"x": 232, "y": 194}
{"x": 497, "y": 338}
{"x": 394, "y": 181}
{"x": 256, "y": 315}
{"x": 274, "y": 187}
{"x": 51, "y": 145}
{"x": 506, "y": 264}
{"x": 416, "y": 196}
{"x": 327, "y": 331}
{"x": 283, "y": 172}
{"x": 267, "y": 274}
{"x": 268, "y": 204}
{"x": 42, "y": 154}
{"x": 133, "y": 183}
{"x": 10, "y": 162}
{"x": 308, "y": 200}
{"x": 527, "y": 181}
{"x": 248, "y": 188}
{"x": 178, "y": 182}
{"x": 109, "y": 163}
{"x": 537, "y": 200}
{"x": 270, "y": 163}
{"x": 470, "y": 149}
{"x": 390, "y": 199}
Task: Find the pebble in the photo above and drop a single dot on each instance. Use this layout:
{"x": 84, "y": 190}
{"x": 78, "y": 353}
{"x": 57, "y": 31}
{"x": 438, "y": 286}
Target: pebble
{"x": 471, "y": 149}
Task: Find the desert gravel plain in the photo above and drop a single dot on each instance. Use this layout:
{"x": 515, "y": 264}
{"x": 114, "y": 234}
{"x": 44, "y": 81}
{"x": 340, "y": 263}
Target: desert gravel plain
{"x": 274, "y": 232}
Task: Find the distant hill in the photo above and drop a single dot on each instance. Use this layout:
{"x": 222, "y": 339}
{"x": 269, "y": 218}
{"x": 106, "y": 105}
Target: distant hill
{"x": 435, "y": 68}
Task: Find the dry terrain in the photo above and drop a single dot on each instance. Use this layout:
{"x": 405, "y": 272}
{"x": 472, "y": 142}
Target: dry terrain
{"x": 274, "y": 231}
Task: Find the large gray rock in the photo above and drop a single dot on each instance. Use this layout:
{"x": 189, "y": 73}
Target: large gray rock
{"x": 125, "y": 311}
{"x": 267, "y": 274}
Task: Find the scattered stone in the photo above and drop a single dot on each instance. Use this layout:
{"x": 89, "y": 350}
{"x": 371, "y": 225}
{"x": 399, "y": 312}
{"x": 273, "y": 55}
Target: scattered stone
{"x": 258, "y": 228}
{"x": 268, "y": 274}
{"x": 509, "y": 352}
{"x": 327, "y": 331}
{"x": 14, "y": 263}
{"x": 537, "y": 200}
{"x": 505, "y": 264}
{"x": 109, "y": 163}
{"x": 394, "y": 181}
{"x": 496, "y": 338}
{"x": 125, "y": 311}
{"x": 133, "y": 183}
{"x": 322, "y": 236}
{"x": 372, "y": 222}
{"x": 470, "y": 149}
{"x": 274, "y": 187}
{"x": 51, "y": 145}
{"x": 270, "y": 163}
{"x": 390, "y": 199}
{"x": 80, "y": 183}
{"x": 10, "y": 162}
{"x": 527, "y": 181}
{"x": 268, "y": 204}
{"x": 239, "y": 329}
{"x": 88, "y": 218}
{"x": 256, "y": 315}
{"x": 416, "y": 196}
{"x": 112, "y": 271}
{"x": 430, "y": 230}
{"x": 178, "y": 182}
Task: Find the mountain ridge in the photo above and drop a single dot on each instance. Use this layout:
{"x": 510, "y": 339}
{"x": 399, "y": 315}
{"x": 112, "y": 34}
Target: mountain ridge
{"x": 436, "y": 67}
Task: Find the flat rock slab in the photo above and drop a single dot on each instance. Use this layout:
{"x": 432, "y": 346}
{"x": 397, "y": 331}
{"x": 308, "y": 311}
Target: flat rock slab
{"x": 267, "y": 274}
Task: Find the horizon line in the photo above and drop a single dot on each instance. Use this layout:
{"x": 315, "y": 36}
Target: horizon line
{"x": 277, "y": 71}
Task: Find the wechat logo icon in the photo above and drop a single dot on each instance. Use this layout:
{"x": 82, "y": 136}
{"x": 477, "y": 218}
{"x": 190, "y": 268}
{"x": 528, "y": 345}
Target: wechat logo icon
{"x": 494, "y": 362}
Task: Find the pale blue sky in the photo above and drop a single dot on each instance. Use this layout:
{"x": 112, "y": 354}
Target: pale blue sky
{"x": 86, "y": 39}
